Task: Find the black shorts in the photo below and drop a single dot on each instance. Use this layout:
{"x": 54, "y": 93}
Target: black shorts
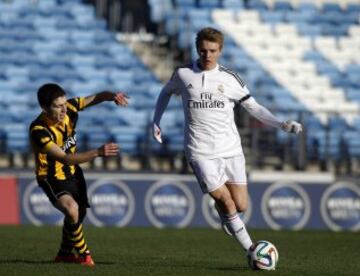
{"x": 74, "y": 186}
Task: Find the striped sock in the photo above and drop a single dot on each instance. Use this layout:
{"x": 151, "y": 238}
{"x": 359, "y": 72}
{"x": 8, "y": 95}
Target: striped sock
{"x": 75, "y": 235}
{"x": 66, "y": 244}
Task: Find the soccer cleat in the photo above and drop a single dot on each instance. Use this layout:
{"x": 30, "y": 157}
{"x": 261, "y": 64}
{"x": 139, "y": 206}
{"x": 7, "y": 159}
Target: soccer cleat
{"x": 86, "y": 260}
{"x": 66, "y": 258}
{"x": 248, "y": 254}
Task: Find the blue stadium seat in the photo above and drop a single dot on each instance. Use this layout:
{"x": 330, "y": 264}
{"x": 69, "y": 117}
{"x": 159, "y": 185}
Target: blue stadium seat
{"x": 5, "y": 117}
{"x": 94, "y": 135}
{"x": 282, "y": 6}
{"x": 353, "y": 95}
{"x": 332, "y": 30}
{"x": 159, "y": 9}
{"x": 272, "y": 16}
{"x": 352, "y": 7}
{"x": 232, "y": 4}
{"x": 62, "y": 41}
{"x": 185, "y": 3}
{"x": 257, "y": 5}
{"x": 16, "y": 137}
{"x": 337, "y": 123}
{"x": 307, "y": 6}
{"x": 208, "y": 4}
{"x": 128, "y": 138}
{"x": 331, "y": 7}
{"x": 309, "y": 29}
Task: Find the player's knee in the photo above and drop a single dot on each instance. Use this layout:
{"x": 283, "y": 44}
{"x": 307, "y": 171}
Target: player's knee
{"x": 241, "y": 203}
{"x": 227, "y": 205}
{"x": 241, "y": 207}
{"x": 72, "y": 211}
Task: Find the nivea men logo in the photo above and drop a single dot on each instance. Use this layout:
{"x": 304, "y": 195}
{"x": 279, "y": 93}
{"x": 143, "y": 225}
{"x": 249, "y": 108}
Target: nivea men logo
{"x": 212, "y": 216}
{"x": 69, "y": 142}
{"x": 112, "y": 203}
{"x": 340, "y": 207}
{"x": 285, "y": 205}
{"x": 169, "y": 204}
{"x": 38, "y": 208}
{"x": 206, "y": 101}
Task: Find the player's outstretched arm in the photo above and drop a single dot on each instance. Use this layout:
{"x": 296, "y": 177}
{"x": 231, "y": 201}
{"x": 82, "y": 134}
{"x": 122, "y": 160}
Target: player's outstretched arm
{"x": 291, "y": 126}
{"x": 265, "y": 116}
{"x": 55, "y": 152}
{"x": 161, "y": 104}
{"x": 118, "y": 98}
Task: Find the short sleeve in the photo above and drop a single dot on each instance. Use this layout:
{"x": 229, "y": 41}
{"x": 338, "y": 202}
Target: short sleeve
{"x": 76, "y": 104}
{"x": 243, "y": 94}
{"x": 41, "y": 138}
{"x": 239, "y": 91}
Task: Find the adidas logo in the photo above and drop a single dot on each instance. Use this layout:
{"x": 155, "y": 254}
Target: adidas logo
{"x": 239, "y": 230}
{"x": 189, "y": 86}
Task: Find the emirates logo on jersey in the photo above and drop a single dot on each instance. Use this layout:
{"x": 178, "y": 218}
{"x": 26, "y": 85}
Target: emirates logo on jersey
{"x": 206, "y": 101}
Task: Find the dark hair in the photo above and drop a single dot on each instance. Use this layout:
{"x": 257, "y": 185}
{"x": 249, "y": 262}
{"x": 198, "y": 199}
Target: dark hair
{"x": 210, "y": 34}
{"x": 48, "y": 92}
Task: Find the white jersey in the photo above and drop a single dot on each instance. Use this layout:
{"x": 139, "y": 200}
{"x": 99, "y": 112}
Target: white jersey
{"x": 208, "y": 101}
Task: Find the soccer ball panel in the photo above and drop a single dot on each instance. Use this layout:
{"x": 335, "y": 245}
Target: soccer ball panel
{"x": 263, "y": 256}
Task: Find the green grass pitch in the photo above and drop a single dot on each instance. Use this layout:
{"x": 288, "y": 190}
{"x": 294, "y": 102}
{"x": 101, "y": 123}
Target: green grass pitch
{"x": 28, "y": 250}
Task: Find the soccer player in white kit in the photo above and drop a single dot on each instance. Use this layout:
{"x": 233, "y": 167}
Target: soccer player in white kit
{"x": 209, "y": 92}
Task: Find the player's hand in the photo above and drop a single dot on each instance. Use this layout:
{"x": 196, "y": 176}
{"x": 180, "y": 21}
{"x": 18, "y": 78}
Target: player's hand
{"x": 157, "y": 133}
{"x": 121, "y": 99}
{"x": 108, "y": 149}
{"x": 291, "y": 127}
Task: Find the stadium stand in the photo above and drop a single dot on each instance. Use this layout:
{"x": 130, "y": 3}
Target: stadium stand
{"x": 63, "y": 42}
{"x": 299, "y": 58}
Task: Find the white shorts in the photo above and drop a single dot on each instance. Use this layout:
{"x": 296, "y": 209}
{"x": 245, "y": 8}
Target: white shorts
{"x": 213, "y": 173}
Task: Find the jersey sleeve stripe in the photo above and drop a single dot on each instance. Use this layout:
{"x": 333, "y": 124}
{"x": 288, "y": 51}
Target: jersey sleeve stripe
{"x": 37, "y": 128}
{"x": 71, "y": 107}
{"x": 235, "y": 75}
{"x": 243, "y": 99}
{"x": 81, "y": 103}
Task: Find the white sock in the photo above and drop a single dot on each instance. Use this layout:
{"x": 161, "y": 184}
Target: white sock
{"x": 238, "y": 230}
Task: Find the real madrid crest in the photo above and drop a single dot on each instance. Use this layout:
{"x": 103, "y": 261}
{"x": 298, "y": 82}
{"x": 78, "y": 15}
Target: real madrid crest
{"x": 220, "y": 88}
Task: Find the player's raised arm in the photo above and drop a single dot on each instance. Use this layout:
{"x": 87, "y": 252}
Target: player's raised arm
{"x": 265, "y": 116}
{"x": 118, "y": 98}
{"x": 56, "y": 153}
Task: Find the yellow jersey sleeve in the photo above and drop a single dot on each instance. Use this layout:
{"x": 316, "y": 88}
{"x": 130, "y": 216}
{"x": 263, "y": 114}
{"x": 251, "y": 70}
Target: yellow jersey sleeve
{"x": 76, "y": 104}
{"x": 41, "y": 138}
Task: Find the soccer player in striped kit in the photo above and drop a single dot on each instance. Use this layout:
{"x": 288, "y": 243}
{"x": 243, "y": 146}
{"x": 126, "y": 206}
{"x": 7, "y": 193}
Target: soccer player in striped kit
{"x": 53, "y": 139}
{"x": 212, "y": 142}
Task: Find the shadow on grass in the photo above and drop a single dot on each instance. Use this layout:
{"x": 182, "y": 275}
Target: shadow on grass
{"x": 235, "y": 268}
{"x": 21, "y": 261}
{"x": 197, "y": 266}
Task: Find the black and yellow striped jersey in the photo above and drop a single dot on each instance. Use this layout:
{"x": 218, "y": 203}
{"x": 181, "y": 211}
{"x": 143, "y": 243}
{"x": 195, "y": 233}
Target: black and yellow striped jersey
{"x": 43, "y": 134}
